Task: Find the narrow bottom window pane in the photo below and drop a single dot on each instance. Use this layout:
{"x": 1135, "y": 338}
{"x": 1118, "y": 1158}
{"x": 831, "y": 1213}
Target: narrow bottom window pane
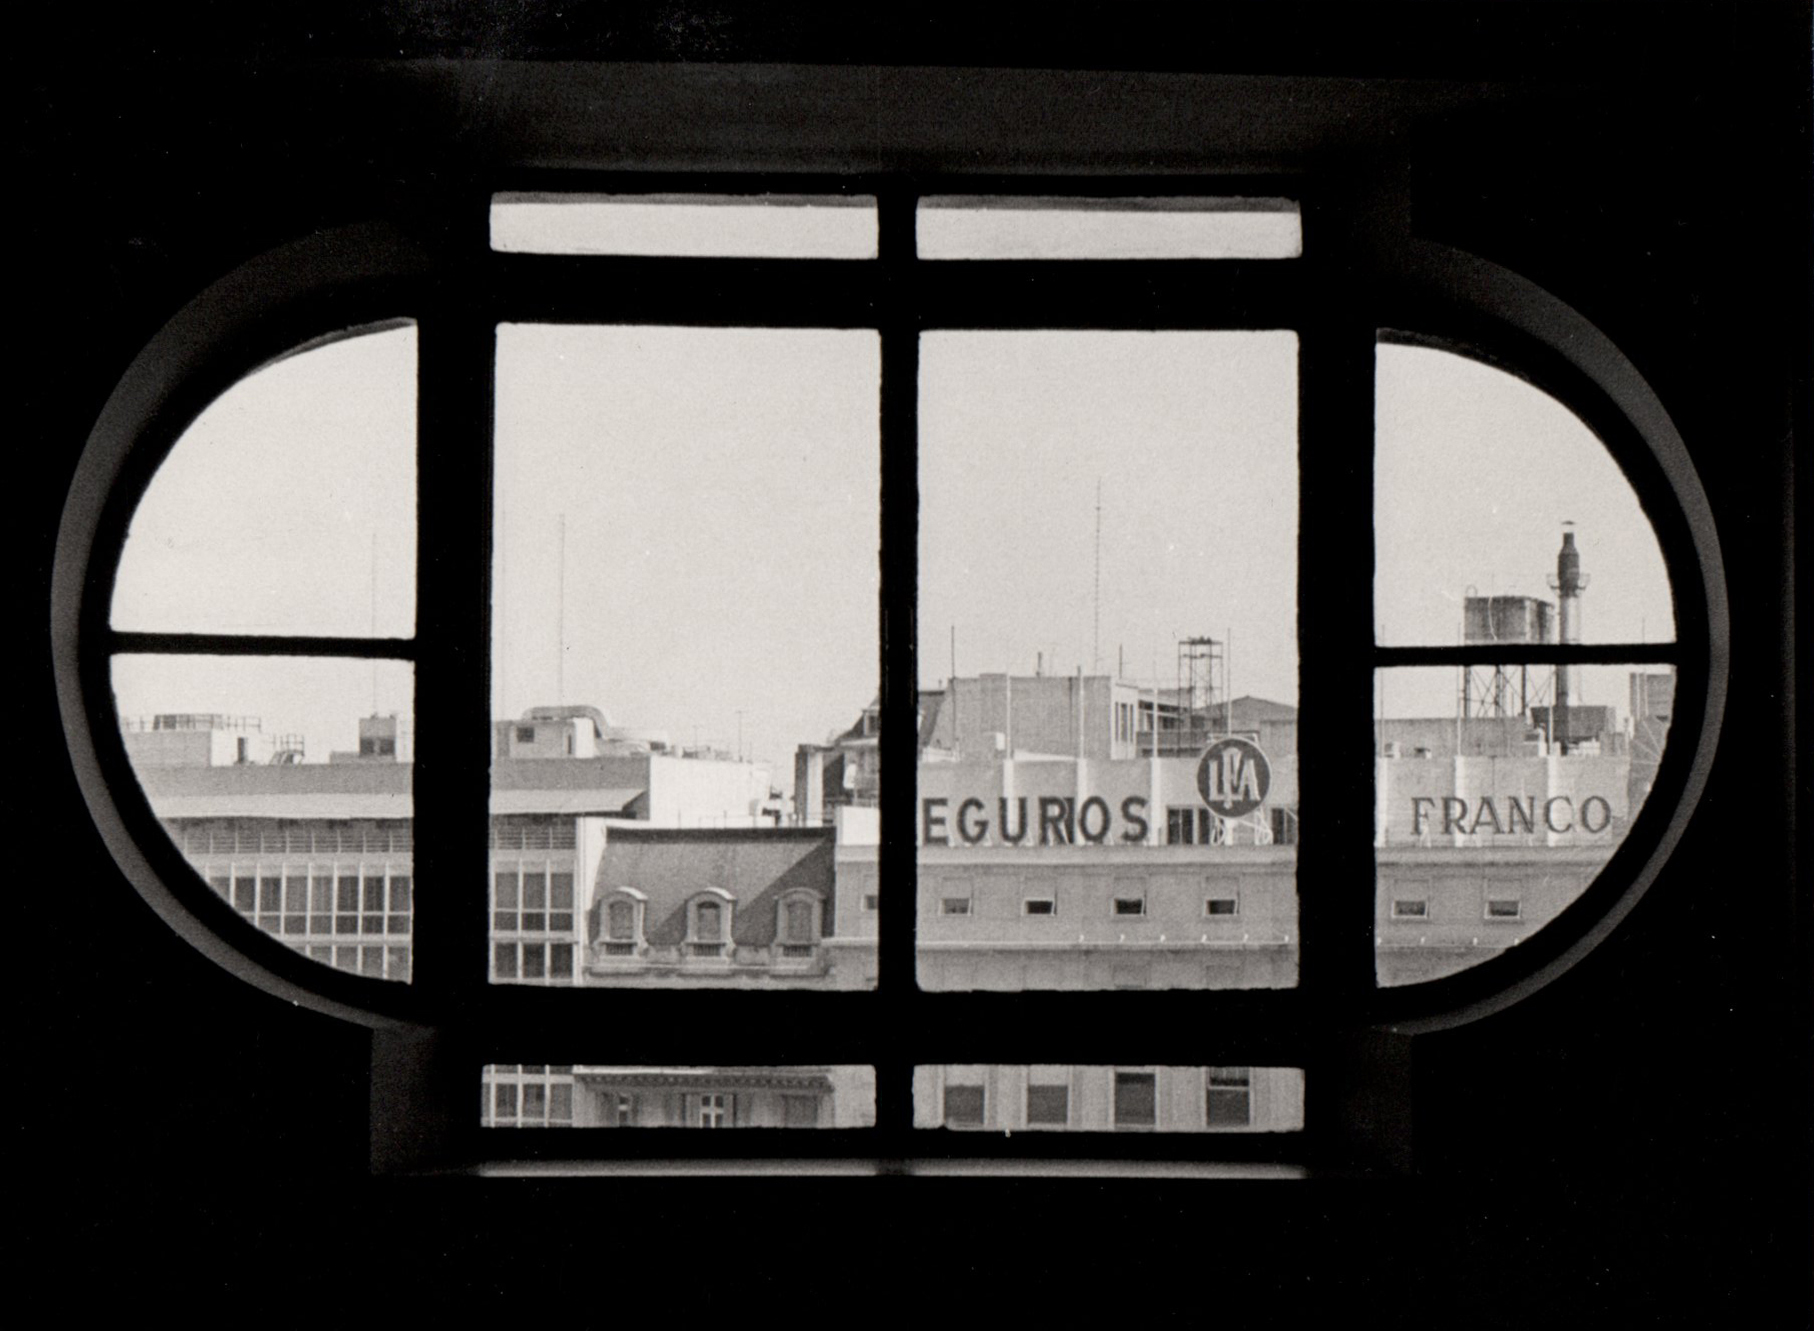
{"x": 1008, "y": 1098}
{"x": 592, "y": 1096}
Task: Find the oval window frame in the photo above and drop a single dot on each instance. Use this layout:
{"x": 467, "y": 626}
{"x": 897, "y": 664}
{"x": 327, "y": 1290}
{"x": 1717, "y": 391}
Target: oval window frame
{"x": 344, "y": 282}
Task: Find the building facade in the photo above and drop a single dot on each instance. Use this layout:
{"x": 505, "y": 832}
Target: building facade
{"x": 1058, "y": 1098}
{"x": 583, "y": 1096}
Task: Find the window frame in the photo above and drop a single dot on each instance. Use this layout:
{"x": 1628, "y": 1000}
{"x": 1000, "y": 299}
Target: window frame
{"x": 321, "y": 287}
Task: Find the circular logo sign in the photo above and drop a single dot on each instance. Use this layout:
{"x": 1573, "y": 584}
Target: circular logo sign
{"x": 1233, "y": 777}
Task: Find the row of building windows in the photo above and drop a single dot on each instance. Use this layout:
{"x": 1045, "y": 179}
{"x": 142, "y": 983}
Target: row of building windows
{"x": 1228, "y": 1101}
{"x": 339, "y": 899}
{"x": 532, "y": 899}
{"x": 527, "y": 1095}
{"x": 1193, "y": 825}
{"x": 797, "y": 924}
{"x": 1221, "y": 906}
{"x": 382, "y": 961}
{"x": 1494, "y": 908}
{"x": 267, "y": 836}
{"x": 519, "y": 832}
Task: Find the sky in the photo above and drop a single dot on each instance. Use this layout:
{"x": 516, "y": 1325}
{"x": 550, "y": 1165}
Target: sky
{"x": 718, "y": 491}
{"x": 1192, "y": 438}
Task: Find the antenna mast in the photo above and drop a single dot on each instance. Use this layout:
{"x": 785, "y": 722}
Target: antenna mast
{"x": 1096, "y": 640}
{"x": 560, "y": 621}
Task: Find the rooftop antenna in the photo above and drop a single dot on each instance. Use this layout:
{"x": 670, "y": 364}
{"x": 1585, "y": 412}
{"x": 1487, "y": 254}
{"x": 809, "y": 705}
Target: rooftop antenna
{"x": 560, "y": 620}
{"x": 374, "y": 618}
{"x": 1096, "y": 640}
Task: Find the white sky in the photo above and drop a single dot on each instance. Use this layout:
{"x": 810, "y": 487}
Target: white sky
{"x": 719, "y": 489}
{"x": 1193, "y": 437}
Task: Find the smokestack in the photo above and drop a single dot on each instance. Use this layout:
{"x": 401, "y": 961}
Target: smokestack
{"x": 1568, "y": 582}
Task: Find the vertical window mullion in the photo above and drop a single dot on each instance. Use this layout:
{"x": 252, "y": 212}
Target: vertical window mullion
{"x": 1336, "y": 872}
{"x": 419, "y": 1077}
{"x": 896, "y": 923}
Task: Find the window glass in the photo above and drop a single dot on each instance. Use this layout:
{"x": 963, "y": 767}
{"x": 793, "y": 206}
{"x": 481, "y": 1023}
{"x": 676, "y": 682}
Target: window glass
{"x": 1489, "y": 496}
{"x": 1488, "y": 824}
{"x": 288, "y": 506}
{"x": 585, "y": 1095}
{"x": 1090, "y": 1098}
{"x": 1108, "y": 629}
{"x": 1023, "y": 227}
{"x": 253, "y": 765}
{"x": 684, "y": 651}
{"x": 770, "y": 226}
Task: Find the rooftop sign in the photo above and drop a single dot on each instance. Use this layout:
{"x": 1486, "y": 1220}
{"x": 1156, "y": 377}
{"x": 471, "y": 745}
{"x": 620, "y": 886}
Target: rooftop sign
{"x": 1233, "y": 777}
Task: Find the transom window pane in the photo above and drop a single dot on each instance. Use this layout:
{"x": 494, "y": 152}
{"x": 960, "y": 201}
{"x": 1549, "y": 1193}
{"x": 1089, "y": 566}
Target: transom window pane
{"x": 1015, "y": 227}
{"x": 768, "y": 226}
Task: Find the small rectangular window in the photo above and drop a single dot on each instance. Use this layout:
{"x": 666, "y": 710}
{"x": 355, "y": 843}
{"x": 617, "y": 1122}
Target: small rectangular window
{"x": 871, "y": 902}
{"x": 954, "y": 906}
{"x": 1504, "y": 908}
{"x": 1136, "y": 1099}
{"x": 1229, "y": 1098}
{"x": 1048, "y": 1106}
{"x": 963, "y": 1106}
{"x": 1130, "y": 906}
{"x": 1410, "y": 908}
{"x": 1222, "y": 906}
{"x": 1039, "y": 906}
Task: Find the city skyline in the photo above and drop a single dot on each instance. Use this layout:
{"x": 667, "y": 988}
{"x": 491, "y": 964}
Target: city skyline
{"x": 289, "y": 508}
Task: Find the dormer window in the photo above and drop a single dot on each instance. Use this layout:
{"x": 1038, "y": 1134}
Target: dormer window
{"x": 709, "y": 923}
{"x": 621, "y": 923}
{"x": 797, "y": 925}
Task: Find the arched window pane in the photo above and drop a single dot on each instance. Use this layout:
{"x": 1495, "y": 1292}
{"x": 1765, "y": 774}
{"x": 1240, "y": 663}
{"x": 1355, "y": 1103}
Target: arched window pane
{"x": 289, "y": 505}
{"x": 1476, "y": 471}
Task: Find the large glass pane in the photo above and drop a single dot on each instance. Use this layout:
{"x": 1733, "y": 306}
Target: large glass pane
{"x": 1500, "y": 517}
{"x": 684, "y": 656}
{"x": 1009, "y": 1098}
{"x": 595, "y": 1096}
{"x": 284, "y": 779}
{"x": 289, "y": 505}
{"x": 1491, "y": 819}
{"x": 1108, "y": 660}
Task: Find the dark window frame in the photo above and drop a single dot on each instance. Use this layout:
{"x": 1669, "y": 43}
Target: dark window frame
{"x": 1352, "y": 281}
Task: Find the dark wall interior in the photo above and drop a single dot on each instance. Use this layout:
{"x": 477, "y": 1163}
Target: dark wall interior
{"x": 1631, "y": 1142}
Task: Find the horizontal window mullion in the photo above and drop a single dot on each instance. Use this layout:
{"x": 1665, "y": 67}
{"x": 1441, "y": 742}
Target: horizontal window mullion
{"x": 1516, "y": 653}
{"x": 878, "y": 1149}
{"x": 261, "y": 644}
{"x": 705, "y": 1027}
